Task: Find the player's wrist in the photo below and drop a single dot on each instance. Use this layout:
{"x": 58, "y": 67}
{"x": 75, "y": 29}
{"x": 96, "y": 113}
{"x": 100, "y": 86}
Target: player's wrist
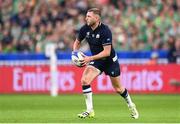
{"x": 91, "y": 58}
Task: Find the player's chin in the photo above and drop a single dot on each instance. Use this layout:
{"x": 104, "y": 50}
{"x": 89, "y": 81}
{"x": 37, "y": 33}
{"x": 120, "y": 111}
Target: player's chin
{"x": 88, "y": 23}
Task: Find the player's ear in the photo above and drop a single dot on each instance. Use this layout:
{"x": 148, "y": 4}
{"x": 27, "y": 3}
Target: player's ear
{"x": 96, "y": 17}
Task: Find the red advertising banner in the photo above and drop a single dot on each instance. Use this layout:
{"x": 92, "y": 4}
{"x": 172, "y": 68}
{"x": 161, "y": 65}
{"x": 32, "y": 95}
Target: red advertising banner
{"x": 136, "y": 78}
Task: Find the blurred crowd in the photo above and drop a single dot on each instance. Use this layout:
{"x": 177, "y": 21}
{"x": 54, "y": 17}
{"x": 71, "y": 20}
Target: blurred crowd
{"x": 28, "y": 25}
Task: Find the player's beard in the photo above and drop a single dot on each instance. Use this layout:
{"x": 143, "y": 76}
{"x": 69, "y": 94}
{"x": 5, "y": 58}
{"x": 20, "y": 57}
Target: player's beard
{"x": 91, "y": 23}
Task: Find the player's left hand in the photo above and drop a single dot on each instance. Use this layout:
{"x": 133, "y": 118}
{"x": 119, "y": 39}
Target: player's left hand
{"x": 86, "y": 60}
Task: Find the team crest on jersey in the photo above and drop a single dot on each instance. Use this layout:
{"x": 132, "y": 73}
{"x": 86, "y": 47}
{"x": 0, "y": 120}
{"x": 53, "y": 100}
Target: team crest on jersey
{"x": 87, "y": 34}
{"x": 97, "y": 36}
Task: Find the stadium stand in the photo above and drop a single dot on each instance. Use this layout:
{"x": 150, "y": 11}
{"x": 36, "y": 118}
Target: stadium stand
{"x": 150, "y": 25}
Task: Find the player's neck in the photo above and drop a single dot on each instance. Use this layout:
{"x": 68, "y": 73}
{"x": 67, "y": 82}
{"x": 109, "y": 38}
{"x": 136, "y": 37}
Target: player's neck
{"x": 95, "y": 25}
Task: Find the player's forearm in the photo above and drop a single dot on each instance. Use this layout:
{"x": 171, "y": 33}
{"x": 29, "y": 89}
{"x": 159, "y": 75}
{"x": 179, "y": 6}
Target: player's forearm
{"x": 76, "y": 45}
{"x": 105, "y": 53}
{"x": 101, "y": 55}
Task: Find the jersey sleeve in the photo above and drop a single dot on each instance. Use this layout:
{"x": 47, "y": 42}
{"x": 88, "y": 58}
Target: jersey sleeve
{"x": 107, "y": 37}
{"x": 82, "y": 33}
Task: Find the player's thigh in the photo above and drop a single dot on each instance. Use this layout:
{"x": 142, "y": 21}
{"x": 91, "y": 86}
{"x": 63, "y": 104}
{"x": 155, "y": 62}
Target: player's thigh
{"x": 89, "y": 74}
{"x": 117, "y": 83}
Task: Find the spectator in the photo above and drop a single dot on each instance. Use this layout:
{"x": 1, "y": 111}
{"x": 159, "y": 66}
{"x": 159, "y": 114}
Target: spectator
{"x": 154, "y": 59}
{"x": 136, "y": 25}
{"x": 174, "y": 52}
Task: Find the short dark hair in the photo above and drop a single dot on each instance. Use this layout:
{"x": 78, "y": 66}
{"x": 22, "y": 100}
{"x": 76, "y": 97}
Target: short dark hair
{"x": 95, "y": 11}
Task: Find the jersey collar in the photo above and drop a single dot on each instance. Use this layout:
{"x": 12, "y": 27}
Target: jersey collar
{"x": 97, "y": 26}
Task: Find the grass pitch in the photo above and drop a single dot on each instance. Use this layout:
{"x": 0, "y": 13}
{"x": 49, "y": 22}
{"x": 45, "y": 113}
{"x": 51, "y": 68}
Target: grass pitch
{"x": 108, "y": 109}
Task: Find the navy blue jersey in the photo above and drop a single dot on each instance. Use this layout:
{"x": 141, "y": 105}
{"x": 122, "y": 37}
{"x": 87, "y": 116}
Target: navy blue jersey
{"x": 97, "y": 38}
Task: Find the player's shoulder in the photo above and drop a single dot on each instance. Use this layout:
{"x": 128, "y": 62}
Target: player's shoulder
{"x": 104, "y": 25}
{"x": 105, "y": 28}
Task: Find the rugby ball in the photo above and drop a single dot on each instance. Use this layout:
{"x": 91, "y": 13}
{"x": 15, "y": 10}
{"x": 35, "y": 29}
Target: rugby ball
{"x": 77, "y": 57}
